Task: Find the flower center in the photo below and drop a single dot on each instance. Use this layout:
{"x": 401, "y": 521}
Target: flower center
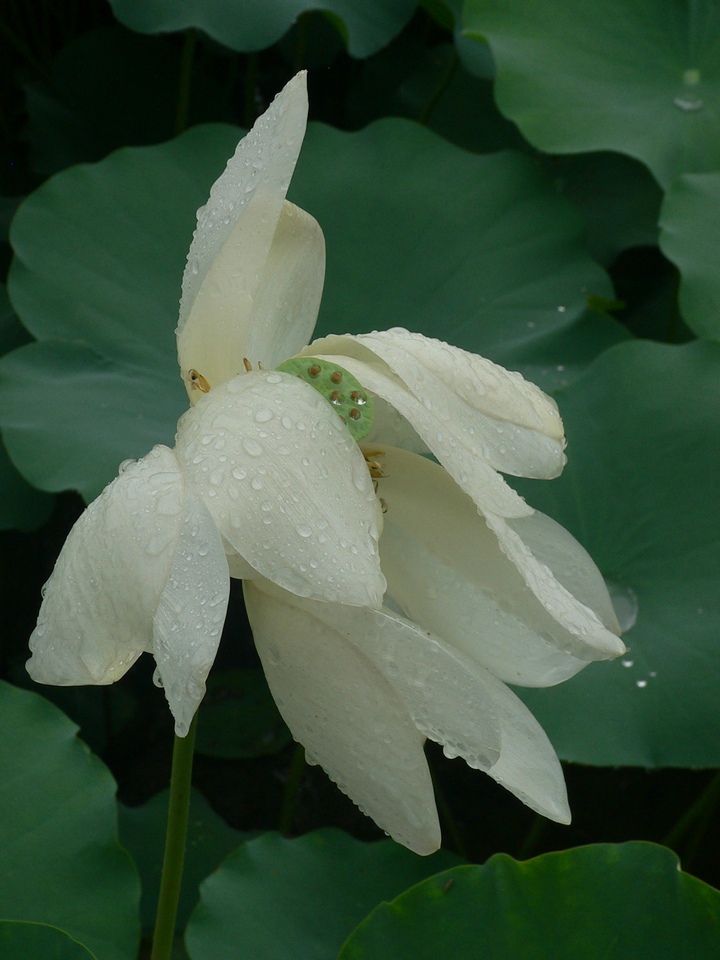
{"x": 340, "y": 388}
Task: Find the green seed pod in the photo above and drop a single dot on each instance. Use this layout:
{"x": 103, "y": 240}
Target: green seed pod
{"x": 340, "y": 388}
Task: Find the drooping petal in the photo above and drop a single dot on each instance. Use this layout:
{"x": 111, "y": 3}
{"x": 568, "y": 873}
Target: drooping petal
{"x": 191, "y": 612}
{"x": 457, "y": 703}
{"x": 349, "y": 718}
{"x": 256, "y": 263}
{"x": 528, "y": 766}
{"x": 569, "y": 562}
{"x": 466, "y": 400}
{"x": 452, "y": 699}
{"x": 567, "y": 610}
{"x": 287, "y": 486}
{"x": 446, "y": 569}
{"x": 461, "y": 459}
{"x": 98, "y": 607}
{"x": 515, "y": 425}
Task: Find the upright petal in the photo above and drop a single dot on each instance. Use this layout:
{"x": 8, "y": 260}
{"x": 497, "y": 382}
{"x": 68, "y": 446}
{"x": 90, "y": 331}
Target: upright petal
{"x": 256, "y": 262}
{"x": 349, "y": 718}
{"x": 98, "y": 606}
{"x": 447, "y": 570}
{"x": 191, "y": 612}
{"x": 287, "y": 486}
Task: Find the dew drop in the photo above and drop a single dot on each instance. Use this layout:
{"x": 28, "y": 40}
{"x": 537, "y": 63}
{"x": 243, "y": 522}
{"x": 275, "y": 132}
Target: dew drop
{"x": 252, "y": 447}
{"x": 689, "y": 104}
{"x": 625, "y": 604}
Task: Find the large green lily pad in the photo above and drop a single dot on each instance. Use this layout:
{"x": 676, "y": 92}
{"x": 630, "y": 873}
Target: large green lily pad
{"x": 625, "y": 902}
{"x": 278, "y": 899}
{"x": 641, "y": 491}
{"x": 256, "y": 24}
{"x": 477, "y": 250}
{"x": 642, "y": 78}
{"x": 60, "y": 860}
{"x": 690, "y": 237}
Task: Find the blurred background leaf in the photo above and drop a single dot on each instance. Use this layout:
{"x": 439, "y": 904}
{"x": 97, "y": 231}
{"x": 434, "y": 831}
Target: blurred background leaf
{"x": 256, "y": 24}
{"x": 689, "y": 223}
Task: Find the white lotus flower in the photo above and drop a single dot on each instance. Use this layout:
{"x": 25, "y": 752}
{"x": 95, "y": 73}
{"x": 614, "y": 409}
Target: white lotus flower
{"x": 482, "y": 590}
{"x": 264, "y": 469}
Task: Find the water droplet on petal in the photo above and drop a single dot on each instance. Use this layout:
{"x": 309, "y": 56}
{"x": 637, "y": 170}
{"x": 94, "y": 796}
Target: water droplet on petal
{"x": 252, "y": 447}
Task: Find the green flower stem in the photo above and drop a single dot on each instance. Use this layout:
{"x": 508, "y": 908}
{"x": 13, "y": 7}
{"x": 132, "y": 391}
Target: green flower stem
{"x": 175, "y": 839}
{"x": 292, "y": 790}
{"x": 182, "y": 107}
{"x": 445, "y": 82}
{"x": 697, "y": 817}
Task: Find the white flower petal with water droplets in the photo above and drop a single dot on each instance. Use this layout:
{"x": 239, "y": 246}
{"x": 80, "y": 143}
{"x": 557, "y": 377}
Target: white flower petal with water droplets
{"x": 191, "y": 612}
{"x": 287, "y": 299}
{"x": 456, "y": 703}
{"x": 481, "y": 481}
{"x": 287, "y": 486}
{"x": 484, "y": 386}
{"x": 528, "y": 765}
{"x": 570, "y": 563}
{"x": 250, "y": 250}
{"x": 507, "y": 421}
{"x": 349, "y": 718}
{"x": 452, "y": 700}
{"x": 570, "y": 612}
{"x": 98, "y": 607}
{"x": 446, "y": 570}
